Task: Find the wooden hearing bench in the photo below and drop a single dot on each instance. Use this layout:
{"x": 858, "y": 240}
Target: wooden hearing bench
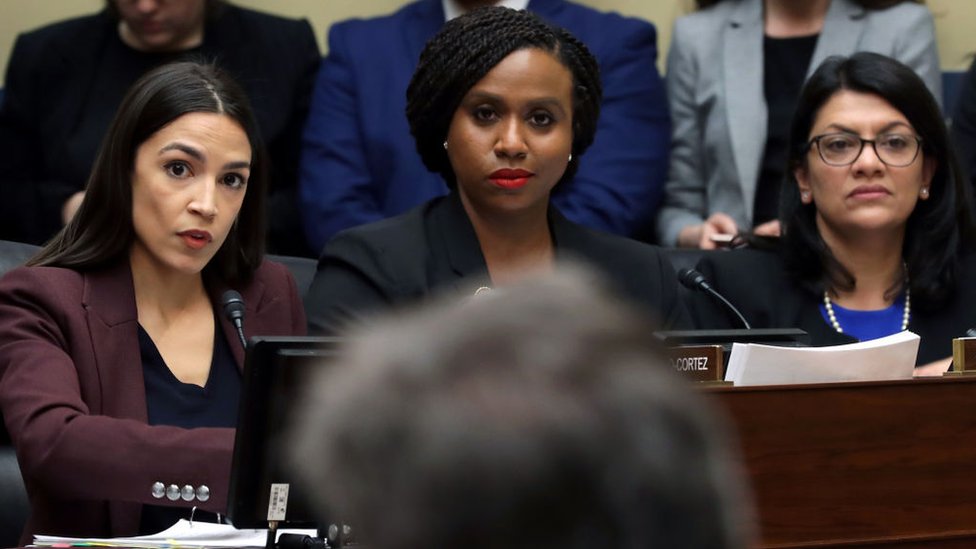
{"x": 878, "y": 464}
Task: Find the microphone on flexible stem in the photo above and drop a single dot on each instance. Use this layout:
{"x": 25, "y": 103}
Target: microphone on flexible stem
{"x": 694, "y": 280}
{"x": 233, "y": 305}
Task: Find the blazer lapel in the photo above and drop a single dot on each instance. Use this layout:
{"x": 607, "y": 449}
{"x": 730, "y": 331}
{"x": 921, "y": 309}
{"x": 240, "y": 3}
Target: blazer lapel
{"x": 841, "y": 32}
{"x": 110, "y": 306}
{"x": 457, "y": 242}
{"x": 746, "y": 108}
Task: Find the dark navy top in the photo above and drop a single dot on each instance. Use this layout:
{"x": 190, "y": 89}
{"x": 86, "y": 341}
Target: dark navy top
{"x": 172, "y": 402}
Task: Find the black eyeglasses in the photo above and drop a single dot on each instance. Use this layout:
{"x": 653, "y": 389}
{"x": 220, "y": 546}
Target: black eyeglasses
{"x": 842, "y": 149}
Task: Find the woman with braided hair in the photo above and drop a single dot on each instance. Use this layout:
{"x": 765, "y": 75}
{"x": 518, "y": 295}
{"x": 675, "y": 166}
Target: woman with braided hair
{"x": 502, "y": 105}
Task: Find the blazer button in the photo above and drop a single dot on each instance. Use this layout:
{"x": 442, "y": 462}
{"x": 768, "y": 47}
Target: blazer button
{"x": 173, "y": 492}
{"x": 203, "y": 492}
{"x": 187, "y": 493}
{"x": 158, "y": 490}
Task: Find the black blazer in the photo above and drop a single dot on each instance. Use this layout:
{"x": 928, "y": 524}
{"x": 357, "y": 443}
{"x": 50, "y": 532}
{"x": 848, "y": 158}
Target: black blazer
{"x": 49, "y": 135}
{"x": 433, "y": 247}
{"x": 757, "y": 283}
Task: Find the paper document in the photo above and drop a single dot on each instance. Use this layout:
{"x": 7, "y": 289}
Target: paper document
{"x": 891, "y": 357}
{"x": 182, "y": 534}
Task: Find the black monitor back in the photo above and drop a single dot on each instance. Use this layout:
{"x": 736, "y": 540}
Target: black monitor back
{"x": 276, "y": 370}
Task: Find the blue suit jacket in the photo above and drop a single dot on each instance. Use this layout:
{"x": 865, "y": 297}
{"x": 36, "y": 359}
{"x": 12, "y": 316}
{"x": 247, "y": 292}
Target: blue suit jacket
{"x": 359, "y": 162}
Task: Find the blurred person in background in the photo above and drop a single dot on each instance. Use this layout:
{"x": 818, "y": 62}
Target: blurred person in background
{"x": 65, "y": 81}
{"x": 537, "y": 416}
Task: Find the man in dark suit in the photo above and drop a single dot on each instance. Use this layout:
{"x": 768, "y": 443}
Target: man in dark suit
{"x": 359, "y": 163}
{"x": 65, "y": 81}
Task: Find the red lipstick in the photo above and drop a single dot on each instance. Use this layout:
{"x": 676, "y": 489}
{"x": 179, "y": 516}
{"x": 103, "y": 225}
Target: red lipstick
{"x": 195, "y": 239}
{"x": 510, "y": 179}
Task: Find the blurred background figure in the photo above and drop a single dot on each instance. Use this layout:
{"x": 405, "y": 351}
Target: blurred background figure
{"x": 65, "y": 81}
{"x": 964, "y": 123}
{"x": 877, "y": 217}
{"x": 120, "y": 375}
{"x": 538, "y": 416}
{"x": 505, "y": 128}
{"x": 735, "y": 70}
{"x": 359, "y": 163}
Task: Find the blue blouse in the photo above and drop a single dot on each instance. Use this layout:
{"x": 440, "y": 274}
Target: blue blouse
{"x": 866, "y": 325}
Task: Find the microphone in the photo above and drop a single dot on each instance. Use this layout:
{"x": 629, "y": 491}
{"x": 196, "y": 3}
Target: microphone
{"x": 694, "y": 280}
{"x": 233, "y": 305}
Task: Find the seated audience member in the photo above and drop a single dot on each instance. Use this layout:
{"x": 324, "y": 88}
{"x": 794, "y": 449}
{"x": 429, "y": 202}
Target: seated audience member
{"x": 503, "y": 126}
{"x": 513, "y": 421}
{"x": 877, "y": 219}
{"x": 735, "y": 69}
{"x": 964, "y": 123}
{"x": 360, "y": 165}
{"x": 119, "y": 374}
{"x": 65, "y": 81}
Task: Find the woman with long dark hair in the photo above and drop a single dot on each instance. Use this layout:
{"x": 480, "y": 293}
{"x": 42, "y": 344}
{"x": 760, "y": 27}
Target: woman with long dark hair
{"x": 119, "y": 375}
{"x": 878, "y": 219}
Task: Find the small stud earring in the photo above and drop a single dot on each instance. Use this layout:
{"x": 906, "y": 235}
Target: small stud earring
{"x": 570, "y": 157}
{"x": 805, "y": 196}
{"x": 445, "y": 145}
{"x": 924, "y": 193}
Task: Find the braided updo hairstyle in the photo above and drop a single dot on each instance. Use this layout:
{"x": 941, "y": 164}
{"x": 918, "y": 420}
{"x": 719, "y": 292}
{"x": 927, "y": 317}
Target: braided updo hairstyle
{"x": 465, "y": 50}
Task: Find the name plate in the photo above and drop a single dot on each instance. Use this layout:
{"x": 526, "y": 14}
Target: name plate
{"x": 964, "y": 355}
{"x": 700, "y": 362}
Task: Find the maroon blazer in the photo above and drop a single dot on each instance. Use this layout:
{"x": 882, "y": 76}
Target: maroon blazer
{"x": 74, "y": 400}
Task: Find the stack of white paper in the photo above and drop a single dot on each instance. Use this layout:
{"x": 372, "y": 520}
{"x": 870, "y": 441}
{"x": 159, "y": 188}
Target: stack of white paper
{"x": 181, "y": 534}
{"x": 891, "y": 357}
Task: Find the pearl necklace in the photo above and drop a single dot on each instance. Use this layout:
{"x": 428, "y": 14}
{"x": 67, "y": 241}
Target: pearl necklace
{"x": 906, "y": 314}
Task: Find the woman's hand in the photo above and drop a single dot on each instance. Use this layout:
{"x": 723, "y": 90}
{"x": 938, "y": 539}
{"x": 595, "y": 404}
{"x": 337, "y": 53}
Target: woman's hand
{"x": 936, "y": 368}
{"x": 71, "y": 205}
{"x": 769, "y": 228}
{"x": 700, "y": 236}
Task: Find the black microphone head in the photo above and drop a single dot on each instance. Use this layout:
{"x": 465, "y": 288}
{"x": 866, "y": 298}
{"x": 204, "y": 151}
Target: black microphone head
{"x": 692, "y": 279}
{"x": 233, "y": 305}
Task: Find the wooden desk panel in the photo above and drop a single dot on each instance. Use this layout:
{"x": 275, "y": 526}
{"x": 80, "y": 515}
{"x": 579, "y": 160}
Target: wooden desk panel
{"x": 860, "y": 464}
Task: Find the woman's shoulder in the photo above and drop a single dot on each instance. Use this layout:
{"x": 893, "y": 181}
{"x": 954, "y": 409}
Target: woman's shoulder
{"x": 745, "y": 268}
{"x": 605, "y": 248}
{"x": 744, "y": 258}
{"x": 60, "y": 278}
{"x": 404, "y": 232}
{"x": 31, "y": 290}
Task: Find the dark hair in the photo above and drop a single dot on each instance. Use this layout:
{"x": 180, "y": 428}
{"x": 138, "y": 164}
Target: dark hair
{"x": 937, "y": 229}
{"x": 102, "y": 231}
{"x": 511, "y": 421}
{"x": 465, "y": 50}
{"x": 866, "y": 4}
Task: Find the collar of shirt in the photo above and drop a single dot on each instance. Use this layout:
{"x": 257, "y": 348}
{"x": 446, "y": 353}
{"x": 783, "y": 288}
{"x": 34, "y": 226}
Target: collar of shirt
{"x": 452, "y": 9}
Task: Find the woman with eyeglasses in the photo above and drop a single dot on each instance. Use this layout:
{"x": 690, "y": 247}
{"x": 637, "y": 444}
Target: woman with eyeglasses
{"x": 734, "y": 74}
{"x": 877, "y": 220}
